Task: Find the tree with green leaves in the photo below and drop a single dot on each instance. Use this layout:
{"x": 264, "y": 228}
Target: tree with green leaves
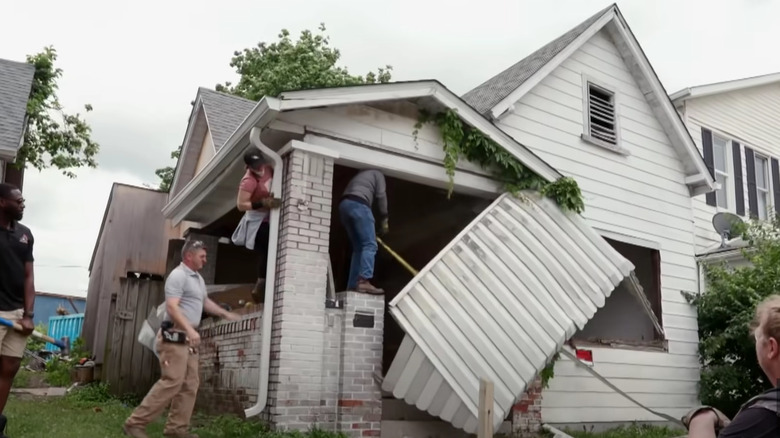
{"x": 65, "y": 144}
{"x": 730, "y": 373}
{"x": 286, "y": 65}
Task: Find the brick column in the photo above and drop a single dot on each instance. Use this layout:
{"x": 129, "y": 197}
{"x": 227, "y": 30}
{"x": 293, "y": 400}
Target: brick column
{"x": 527, "y": 413}
{"x": 209, "y": 271}
{"x": 362, "y": 334}
{"x": 296, "y": 390}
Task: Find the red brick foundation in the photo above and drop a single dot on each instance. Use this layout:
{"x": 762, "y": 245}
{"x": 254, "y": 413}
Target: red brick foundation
{"x": 527, "y": 413}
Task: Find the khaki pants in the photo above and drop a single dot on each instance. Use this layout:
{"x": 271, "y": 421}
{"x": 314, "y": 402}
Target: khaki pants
{"x": 12, "y": 343}
{"x": 178, "y": 385}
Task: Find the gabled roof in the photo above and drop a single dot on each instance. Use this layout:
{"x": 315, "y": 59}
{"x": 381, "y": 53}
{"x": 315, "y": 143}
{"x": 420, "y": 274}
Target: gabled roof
{"x": 224, "y": 112}
{"x": 724, "y": 87}
{"x": 487, "y": 95}
{"x": 215, "y": 112}
{"x": 497, "y": 96}
{"x": 16, "y": 80}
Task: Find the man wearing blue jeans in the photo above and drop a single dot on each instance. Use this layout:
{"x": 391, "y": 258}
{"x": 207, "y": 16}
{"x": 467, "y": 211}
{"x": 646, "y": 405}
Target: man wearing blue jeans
{"x": 358, "y": 219}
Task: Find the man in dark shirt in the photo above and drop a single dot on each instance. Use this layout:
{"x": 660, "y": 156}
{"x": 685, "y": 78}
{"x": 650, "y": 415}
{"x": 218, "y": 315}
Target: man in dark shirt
{"x": 358, "y": 220}
{"x": 758, "y": 417}
{"x": 17, "y": 288}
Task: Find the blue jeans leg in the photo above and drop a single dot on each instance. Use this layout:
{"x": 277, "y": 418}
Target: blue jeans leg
{"x": 358, "y": 220}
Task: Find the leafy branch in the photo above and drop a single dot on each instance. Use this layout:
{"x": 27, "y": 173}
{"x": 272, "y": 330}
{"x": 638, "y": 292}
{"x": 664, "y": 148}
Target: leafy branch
{"x": 67, "y": 143}
{"x": 462, "y": 141}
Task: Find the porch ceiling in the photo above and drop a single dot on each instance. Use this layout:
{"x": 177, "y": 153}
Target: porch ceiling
{"x": 498, "y": 302}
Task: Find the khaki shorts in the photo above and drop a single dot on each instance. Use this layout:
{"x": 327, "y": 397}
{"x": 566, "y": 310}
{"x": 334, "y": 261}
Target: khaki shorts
{"x": 12, "y": 343}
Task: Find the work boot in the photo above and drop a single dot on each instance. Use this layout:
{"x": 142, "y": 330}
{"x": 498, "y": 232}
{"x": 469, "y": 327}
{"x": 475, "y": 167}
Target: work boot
{"x": 3, "y": 422}
{"x": 259, "y": 291}
{"x": 134, "y": 431}
{"x": 363, "y": 286}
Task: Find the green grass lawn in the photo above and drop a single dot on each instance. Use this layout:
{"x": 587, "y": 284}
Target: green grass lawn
{"x": 70, "y": 417}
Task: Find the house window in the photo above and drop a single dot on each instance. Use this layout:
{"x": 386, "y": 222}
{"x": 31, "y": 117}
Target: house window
{"x": 624, "y": 321}
{"x": 762, "y": 186}
{"x": 602, "y": 123}
{"x": 720, "y": 147}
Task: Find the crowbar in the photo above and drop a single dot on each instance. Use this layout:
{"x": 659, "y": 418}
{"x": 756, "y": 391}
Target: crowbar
{"x": 18, "y": 327}
{"x": 397, "y": 257}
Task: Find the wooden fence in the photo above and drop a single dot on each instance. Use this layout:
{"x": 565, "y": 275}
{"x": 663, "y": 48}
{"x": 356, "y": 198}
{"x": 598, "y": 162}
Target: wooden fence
{"x": 129, "y": 367}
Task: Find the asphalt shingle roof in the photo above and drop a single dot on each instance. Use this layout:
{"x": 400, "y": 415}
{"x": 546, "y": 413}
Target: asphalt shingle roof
{"x": 487, "y": 95}
{"x": 224, "y": 113}
{"x": 15, "y": 84}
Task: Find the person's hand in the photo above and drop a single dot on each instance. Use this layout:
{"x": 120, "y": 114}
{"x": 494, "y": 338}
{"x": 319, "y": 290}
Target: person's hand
{"x": 193, "y": 337}
{"x": 271, "y": 202}
{"x": 231, "y": 316}
{"x": 27, "y": 325}
{"x": 384, "y": 227}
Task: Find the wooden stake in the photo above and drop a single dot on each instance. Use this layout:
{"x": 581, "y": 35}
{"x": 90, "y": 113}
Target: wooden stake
{"x": 485, "y": 409}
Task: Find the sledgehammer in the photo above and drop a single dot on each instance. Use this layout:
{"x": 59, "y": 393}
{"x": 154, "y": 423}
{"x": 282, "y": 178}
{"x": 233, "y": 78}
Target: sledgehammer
{"x": 18, "y": 327}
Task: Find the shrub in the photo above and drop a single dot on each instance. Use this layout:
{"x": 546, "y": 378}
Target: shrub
{"x": 730, "y": 373}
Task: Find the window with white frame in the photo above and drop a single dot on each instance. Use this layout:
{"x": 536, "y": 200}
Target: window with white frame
{"x": 762, "y": 186}
{"x": 720, "y": 148}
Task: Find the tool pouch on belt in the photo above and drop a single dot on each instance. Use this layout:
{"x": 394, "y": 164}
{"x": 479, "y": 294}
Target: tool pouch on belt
{"x": 172, "y": 336}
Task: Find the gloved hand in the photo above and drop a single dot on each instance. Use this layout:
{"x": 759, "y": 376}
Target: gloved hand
{"x": 269, "y": 202}
{"x": 384, "y": 227}
{"x": 723, "y": 420}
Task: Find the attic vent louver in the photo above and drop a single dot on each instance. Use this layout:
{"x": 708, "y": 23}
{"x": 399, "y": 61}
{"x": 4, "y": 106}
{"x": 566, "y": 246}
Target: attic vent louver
{"x": 601, "y": 112}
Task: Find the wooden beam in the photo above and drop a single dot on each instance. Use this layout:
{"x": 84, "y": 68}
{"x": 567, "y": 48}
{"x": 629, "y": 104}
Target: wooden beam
{"x": 485, "y": 428}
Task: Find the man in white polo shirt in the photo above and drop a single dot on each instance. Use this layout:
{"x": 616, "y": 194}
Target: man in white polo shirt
{"x": 177, "y": 346}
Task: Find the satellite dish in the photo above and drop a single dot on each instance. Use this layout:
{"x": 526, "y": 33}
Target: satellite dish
{"x": 725, "y": 224}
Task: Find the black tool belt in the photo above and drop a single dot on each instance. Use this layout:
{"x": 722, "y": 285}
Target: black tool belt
{"x": 170, "y": 335}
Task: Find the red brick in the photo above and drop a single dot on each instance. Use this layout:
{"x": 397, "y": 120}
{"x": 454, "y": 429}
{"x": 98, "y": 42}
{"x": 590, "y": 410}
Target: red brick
{"x": 350, "y": 403}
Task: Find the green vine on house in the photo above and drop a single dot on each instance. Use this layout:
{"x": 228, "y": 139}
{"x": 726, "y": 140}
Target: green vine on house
{"x": 463, "y": 141}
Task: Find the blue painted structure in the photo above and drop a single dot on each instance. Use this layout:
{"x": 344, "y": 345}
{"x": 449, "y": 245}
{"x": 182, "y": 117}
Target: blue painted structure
{"x": 66, "y": 325}
{"x": 46, "y": 306}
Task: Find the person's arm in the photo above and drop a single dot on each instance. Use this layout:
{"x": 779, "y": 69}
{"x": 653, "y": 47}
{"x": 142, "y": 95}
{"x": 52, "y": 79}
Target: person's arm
{"x": 29, "y": 289}
{"x": 703, "y": 425}
{"x": 213, "y": 308}
{"x": 381, "y": 194}
{"x": 245, "y": 190}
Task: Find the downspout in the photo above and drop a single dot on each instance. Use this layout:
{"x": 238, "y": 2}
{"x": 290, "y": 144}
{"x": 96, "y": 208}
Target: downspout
{"x": 270, "y": 275}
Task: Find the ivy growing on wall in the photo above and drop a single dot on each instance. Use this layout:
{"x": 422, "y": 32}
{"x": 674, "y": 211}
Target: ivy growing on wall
{"x": 462, "y": 141}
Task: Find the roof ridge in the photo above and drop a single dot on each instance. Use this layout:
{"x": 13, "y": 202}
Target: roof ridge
{"x": 486, "y": 95}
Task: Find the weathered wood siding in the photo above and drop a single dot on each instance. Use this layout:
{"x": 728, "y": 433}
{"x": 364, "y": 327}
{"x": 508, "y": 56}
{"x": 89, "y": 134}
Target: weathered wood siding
{"x": 642, "y": 196}
{"x": 133, "y": 238}
{"x": 747, "y": 116}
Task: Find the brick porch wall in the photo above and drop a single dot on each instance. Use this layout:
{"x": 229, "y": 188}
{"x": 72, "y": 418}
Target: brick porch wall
{"x": 527, "y": 413}
{"x": 229, "y": 364}
{"x": 362, "y": 333}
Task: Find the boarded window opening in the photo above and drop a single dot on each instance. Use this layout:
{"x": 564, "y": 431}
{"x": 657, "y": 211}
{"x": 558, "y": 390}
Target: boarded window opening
{"x": 623, "y": 319}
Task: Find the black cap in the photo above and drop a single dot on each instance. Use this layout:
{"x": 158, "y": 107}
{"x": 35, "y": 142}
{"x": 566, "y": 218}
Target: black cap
{"x": 254, "y": 158}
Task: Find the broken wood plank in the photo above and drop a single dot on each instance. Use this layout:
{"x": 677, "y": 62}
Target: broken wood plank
{"x": 485, "y": 414}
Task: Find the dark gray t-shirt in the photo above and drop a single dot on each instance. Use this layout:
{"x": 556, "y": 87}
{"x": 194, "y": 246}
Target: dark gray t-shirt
{"x": 189, "y": 287}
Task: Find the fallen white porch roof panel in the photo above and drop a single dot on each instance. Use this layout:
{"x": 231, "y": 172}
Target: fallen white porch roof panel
{"x": 498, "y": 302}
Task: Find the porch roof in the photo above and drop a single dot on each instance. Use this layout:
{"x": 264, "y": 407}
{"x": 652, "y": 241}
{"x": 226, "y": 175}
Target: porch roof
{"x": 224, "y": 170}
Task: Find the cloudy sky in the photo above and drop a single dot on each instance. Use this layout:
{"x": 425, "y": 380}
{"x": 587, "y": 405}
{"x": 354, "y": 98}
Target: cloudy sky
{"x": 139, "y": 64}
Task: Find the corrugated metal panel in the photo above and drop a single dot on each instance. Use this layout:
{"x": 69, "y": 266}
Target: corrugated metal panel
{"x": 498, "y": 302}
{"x": 67, "y": 325}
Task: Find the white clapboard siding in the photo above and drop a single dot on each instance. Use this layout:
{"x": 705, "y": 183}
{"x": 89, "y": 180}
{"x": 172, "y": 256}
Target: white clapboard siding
{"x": 748, "y": 116}
{"x": 641, "y": 195}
